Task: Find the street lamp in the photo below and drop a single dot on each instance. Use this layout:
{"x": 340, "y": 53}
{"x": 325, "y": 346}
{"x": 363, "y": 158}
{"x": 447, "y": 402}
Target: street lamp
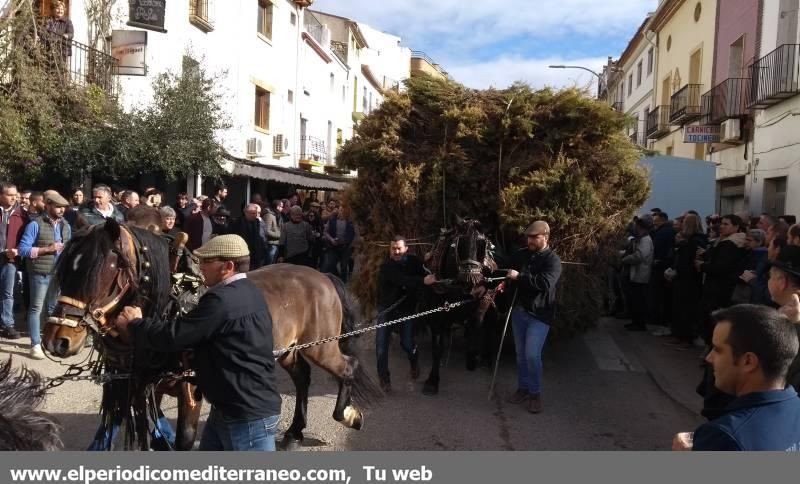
{"x": 576, "y": 67}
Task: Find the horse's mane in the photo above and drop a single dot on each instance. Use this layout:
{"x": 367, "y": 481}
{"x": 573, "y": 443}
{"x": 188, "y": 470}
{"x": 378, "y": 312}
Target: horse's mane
{"x": 93, "y": 244}
{"x": 22, "y": 426}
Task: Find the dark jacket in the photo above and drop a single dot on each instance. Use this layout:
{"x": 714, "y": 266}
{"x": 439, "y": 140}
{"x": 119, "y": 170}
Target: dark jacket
{"x": 17, "y": 220}
{"x": 194, "y": 229}
{"x": 231, "y": 333}
{"x": 398, "y": 279}
{"x": 759, "y": 292}
{"x": 722, "y": 266}
{"x": 663, "y": 244}
{"x": 94, "y": 217}
{"x": 766, "y": 421}
{"x": 538, "y": 278}
{"x": 255, "y": 234}
{"x": 349, "y": 231}
{"x": 685, "y": 255}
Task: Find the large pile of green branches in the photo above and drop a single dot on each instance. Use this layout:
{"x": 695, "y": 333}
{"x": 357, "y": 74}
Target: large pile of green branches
{"x": 506, "y": 157}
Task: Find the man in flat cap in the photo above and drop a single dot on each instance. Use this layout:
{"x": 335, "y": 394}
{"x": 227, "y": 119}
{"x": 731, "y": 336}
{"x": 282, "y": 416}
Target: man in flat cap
{"x": 41, "y": 244}
{"x": 784, "y": 289}
{"x": 536, "y": 270}
{"x": 230, "y": 331}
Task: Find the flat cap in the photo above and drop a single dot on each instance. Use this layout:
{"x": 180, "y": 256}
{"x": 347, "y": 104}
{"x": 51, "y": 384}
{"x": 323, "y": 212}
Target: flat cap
{"x": 540, "y": 227}
{"x": 788, "y": 260}
{"x": 229, "y": 246}
{"x": 52, "y": 197}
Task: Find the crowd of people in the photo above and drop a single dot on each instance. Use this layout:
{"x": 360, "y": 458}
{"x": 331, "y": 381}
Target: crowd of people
{"x": 36, "y": 225}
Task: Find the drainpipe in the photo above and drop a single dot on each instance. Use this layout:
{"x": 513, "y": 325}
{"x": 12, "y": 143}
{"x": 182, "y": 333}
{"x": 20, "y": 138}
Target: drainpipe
{"x": 297, "y": 94}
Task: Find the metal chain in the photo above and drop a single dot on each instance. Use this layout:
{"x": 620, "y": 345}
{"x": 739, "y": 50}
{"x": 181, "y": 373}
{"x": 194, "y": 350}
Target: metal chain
{"x": 445, "y": 307}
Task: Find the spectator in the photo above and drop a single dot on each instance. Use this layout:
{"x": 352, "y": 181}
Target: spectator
{"x": 273, "y": 222}
{"x": 788, "y": 219}
{"x": 253, "y": 231}
{"x": 59, "y": 36}
{"x": 766, "y": 221}
{"x": 296, "y": 239}
{"x": 101, "y": 207}
{"x": 183, "y": 209}
{"x": 285, "y": 210}
{"x": 41, "y": 244}
{"x": 12, "y": 224}
{"x": 128, "y": 200}
{"x": 756, "y": 271}
{"x": 168, "y": 217}
{"x": 778, "y": 229}
{"x": 330, "y": 209}
{"x": 793, "y": 235}
{"x": 338, "y": 236}
{"x": 755, "y": 259}
{"x": 640, "y": 264}
{"x": 784, "y": 287}
{"x": 753, "y": 348}
{"x": 221, "y": 219}
{"x": 312, "y": 217}
{"x": 25, "y": 199}
{"x": 220, "y": 194}
{"x": 36, "y": 204}
{"x": 687, "y": 283}
{"x": 663, "y": 237}
{"x": 152, "y": 198}
{"x": 200, "y": 227}
{"x": 77, "y": 199}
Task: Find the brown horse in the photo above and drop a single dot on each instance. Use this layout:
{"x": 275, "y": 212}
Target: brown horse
{"x": 105, "y": 269}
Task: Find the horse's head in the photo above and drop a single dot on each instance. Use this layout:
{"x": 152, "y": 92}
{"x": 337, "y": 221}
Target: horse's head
{"x": 102, "y": 269}
{"x": 471, "y": 252}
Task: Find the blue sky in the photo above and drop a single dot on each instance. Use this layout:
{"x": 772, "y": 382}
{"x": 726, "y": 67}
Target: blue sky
{"x": 493, "y": 43}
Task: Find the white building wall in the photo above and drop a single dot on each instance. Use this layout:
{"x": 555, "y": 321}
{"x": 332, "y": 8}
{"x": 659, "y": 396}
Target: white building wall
{"x": 640, "y": 99}
{"x": 776, "y": 140}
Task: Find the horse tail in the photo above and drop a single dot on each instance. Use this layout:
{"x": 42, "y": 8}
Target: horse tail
{"x": 365, "y": 391}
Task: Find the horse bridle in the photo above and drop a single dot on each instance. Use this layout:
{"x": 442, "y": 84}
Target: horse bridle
{"x": 94, "y": 314}
{"x": 473, "y": 267}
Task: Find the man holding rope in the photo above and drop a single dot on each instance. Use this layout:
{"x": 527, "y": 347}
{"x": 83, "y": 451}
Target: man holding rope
{"x": 536, "y": 270}
{"x": 401, "y": 275}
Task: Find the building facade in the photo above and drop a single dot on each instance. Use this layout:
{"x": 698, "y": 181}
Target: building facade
{"x": 685, "y": 32}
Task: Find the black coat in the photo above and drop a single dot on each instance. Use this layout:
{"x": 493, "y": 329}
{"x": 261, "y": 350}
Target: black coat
{"x": 255, "y": 234}
{"x": 722, "y": 266}
{"x": 538, "y": 278}
{"x": 398, "y": 279}
{"x": 231, "y": 333}
{"x": 663, "y": 244}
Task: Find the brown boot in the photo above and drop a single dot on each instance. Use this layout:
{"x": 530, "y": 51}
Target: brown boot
{"x": 535, "y": 404}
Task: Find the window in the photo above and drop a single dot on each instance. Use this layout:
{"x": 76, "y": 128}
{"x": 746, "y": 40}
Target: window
{"x": 622, "y": 90}
{"x": 370, "y": 102}
{"x": 293, "y": 18}
{"x": 333, "y": 82}
{"x": 344, "y": 94}
{"x": 198, "y": 15}
{"x": 669, "y": 150}
{"x": 736, "y": 59}
{"x": 639, "y": 74}
{"x": 262, "y": 108}
{"x": 630, "y": 84}
{"x": 364, "y": 102}
{"x": 265, "y": 18}
{"x": 290, "y": 96}
{"x": 650, "y": 55}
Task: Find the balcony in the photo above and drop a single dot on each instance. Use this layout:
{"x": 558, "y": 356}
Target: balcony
{"x": 339, "y": 49}
{"x": 686, "y": 104}
{"x": 66, "y": 61}
{"x": 775, "y": 77}
{"x": 314, "y": 27}
{"x": 658, "y": 122}
{"x": 422, "y": 64}
{"x": 727, "y": 100}
{"x": 617, "y": 106}
{"x": 638, "y": 139}
{"x": 313, "y": 151}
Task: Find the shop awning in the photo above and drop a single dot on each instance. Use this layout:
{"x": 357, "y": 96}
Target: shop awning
{"x": 291, "y": 176}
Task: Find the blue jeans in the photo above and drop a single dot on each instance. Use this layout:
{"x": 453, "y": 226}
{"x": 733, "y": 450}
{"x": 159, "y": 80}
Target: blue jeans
{"x": 383, "y": 336}
{"x": 8, "y": 278}
{"x": 271, "y": 255}
{"x": 224, "y": 433}
{"x": 39, "y": 295}
{"x": 529, "y": 337}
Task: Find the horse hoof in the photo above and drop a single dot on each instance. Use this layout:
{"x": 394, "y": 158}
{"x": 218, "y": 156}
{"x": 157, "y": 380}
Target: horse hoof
{"x": 291, "y": 443}
{"x": 430, "y": 389}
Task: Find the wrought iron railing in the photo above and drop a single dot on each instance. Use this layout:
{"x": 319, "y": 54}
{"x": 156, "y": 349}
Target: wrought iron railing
{"x": 658, "y": 122}
{"x": 67, "y": 61}
{"x": 417, "y": 54}
{"x": 686, "y": 104}
{"x": 313, "y": 26}
{"x": 638, "y": 139}
{"x": 617, "y": 106}
{"x": 313, "y": 149}
{"x": 339, "y": 49}
{"x": 776, "y": 76}
{"x": 726, "y": 100}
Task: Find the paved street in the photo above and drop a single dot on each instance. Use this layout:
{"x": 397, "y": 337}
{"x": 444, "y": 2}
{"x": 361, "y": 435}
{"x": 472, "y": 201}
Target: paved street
{"x": 603, "y": 391}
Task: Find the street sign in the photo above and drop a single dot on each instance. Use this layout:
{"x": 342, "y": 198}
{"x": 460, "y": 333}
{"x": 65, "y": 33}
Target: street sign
{"x": 129, "y": 47}
{"x": 701, "y": 134}
{"x": 147, "y": 14}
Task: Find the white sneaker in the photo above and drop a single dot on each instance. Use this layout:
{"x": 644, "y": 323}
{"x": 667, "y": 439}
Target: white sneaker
{"x": 37, "y": 353}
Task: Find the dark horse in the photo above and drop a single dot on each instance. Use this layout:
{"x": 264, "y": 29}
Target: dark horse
{"x": 305, "y": 306}
{"x": 462, "y": 260}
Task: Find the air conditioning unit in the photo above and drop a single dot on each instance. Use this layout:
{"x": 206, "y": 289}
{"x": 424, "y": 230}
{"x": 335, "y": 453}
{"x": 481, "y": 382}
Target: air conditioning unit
{"x": 280, "y": 144}
{"x": 732, "y": 131}
{"x": 255, "y": 147}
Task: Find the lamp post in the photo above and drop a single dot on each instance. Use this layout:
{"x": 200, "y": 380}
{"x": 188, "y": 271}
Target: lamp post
{"x": 583, "y": 69}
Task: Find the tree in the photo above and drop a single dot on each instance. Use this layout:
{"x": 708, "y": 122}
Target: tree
{"x": 507, "y": 157}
